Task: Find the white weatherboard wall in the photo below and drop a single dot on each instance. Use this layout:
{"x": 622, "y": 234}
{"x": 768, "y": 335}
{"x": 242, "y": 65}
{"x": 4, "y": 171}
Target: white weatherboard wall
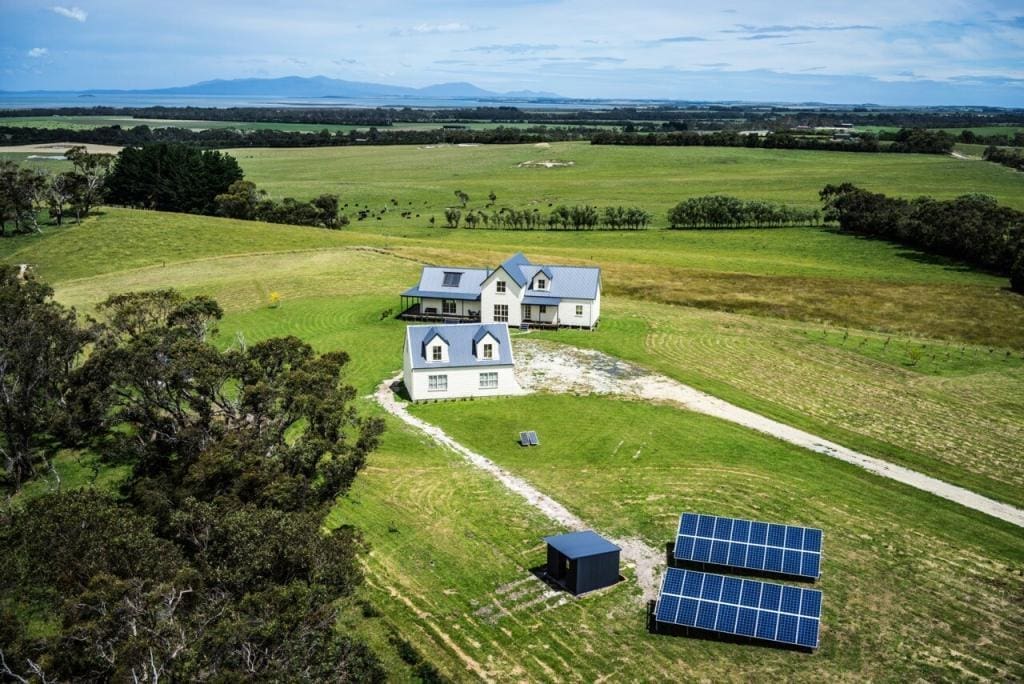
{"x": 463, "y": 307}
{"x": 567, "y": 312}
{"x": 462, "y": 382}
{"x": 489, "y": 296}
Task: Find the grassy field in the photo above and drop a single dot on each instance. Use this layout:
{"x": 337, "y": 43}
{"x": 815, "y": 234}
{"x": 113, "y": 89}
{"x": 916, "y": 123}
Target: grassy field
{"x": 874, "y": 346}
{"x": 424, "y": 179}
{"x": 1008, "y": 129}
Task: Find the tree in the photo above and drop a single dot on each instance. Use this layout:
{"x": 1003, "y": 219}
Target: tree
{"x": 452, "y": 216}
{"x": 462, "y": 197}
{"x": 171, "y": 178}
{"x": 21, "y": 194}
{"x": 92, "y": 171}
{"x": 40, "y": 342}
{"x": 328, "y": 208}
{"x": 1017, "y": 272}
{"x": 61, "y": 190}
{"x": 240, "y": 200}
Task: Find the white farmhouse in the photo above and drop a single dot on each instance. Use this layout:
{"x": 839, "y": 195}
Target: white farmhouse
{"x": 516, "y": 292}
{"x": 455, "y": 361}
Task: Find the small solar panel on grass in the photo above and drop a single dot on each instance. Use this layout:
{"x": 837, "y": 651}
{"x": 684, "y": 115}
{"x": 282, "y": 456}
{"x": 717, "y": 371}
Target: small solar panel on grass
{"x": 534, "y": 441}
{"x": 524, "y": 439}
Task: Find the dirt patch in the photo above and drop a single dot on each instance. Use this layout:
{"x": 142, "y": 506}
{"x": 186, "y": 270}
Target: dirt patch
{"x": 546, "y": 164}
{"x": 561, "y": 369}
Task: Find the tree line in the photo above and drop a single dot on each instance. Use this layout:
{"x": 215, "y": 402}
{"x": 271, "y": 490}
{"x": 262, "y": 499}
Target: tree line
{"x": 1007, "y": 157}
{"x": 232, "y": 138}
{"x": 921, "y": 141}
{"x": 209, "y": 562}
{"x": 972, "y": 228}
{"x": 578, "y": 217}
{"x": 721, "y": 211}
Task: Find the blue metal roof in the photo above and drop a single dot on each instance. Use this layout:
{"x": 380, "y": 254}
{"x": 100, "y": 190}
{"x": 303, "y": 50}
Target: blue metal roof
{"x": 544, "y": 301}
{"x": 581, "y": 544}
{"x": 461, "y": 339}
{"x": 564, "y": 282}
{"x": 513, "y": 265}
{"x": 432, "y": 283}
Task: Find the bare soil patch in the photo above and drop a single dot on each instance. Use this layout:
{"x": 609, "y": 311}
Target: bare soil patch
{"x": 546, "y": 164}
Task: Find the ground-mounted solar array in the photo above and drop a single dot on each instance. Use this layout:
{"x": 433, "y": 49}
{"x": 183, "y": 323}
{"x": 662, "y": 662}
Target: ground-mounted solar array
{"x": 529, "y": 438}
{"x": 741, "y": 607}
{"x": 750, "y": 545}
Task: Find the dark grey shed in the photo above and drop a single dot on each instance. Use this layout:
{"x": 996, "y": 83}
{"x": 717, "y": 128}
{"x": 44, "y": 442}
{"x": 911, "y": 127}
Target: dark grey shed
{"x": 582, "y": 561}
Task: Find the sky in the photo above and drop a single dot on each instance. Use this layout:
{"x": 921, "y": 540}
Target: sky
{"x": 925, "y": 52}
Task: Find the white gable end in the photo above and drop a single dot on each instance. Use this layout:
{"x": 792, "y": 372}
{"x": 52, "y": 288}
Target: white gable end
{"x": 435, "y": 350}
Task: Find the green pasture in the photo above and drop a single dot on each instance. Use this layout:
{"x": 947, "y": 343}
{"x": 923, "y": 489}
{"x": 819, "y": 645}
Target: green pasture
{"x": 424, "y": 179}
{"x": 997, "y": 129}
{"x": 908, "y": 358}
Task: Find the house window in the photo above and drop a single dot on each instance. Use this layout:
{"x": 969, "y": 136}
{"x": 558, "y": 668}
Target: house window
{"x": 579, "y": 309}
{"x": 488, "y": 351}
{"x": 448, "y": 306}
{"x": 435, "y": 352}
{"x": 451, "y": 279}
{"x": 499, "y": 287}
{"x": 543, "y": 309}
{"x": 488, "y": 381}
{"x": 501, "y": 313}
{"x": 437, "y": 383}
{"x": 542, "y": 284}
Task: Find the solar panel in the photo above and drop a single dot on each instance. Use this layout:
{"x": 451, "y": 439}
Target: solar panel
{"x": 524, "y": 439}
{"x": 761, "y": 546}
{"x": 532, "y": 436}
{"x": 451, "y": 279}
{"x": 742, "y": 607}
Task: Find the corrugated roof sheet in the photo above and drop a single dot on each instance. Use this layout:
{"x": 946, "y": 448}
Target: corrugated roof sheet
{"x": 581, "y": 544}
{"x": 564, "y": 282}
{"x": 460, "y": 339}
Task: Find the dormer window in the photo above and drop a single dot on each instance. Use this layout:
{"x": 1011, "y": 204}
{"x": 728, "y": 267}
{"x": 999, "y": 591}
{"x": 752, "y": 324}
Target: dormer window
{"x": 500, "y": 287}
{"x": 488, "y": 351}
{"x": 435, "y": 352}
{"x": 542, "y": 284}
{"x": 451, "y": 279}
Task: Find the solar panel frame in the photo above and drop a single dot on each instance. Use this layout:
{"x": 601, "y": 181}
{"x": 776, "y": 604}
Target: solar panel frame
{"x": 532, "y": 436}
{"x": 790, "y": 550}
{"x": 795, "y": 619}
{"x": 524, "y": 439}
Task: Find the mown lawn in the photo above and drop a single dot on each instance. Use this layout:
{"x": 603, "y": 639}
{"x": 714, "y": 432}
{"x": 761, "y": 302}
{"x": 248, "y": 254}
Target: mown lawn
{"x": 913, "y": 588}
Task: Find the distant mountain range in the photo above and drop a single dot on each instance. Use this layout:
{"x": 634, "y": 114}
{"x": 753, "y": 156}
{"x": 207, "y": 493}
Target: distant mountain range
{"x": 321, "y": 86}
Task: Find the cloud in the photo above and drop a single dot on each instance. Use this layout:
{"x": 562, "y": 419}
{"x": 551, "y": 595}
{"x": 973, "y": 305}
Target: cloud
{"x": 1015, "y": 22}
{"x": 342, "y": 61}
{"x": 793, "y": 28}
{"x": 799, "y": 42}
{"x": 76, "y": 13}
{"x": 715, "y": 65}
{"x": 513, "y": 48}
{"x": 36, "y": 53}
{"x": 448, "y": 27}
{"x": 605, "y": 60}
{"x": 765, "y": 36}
{"x": 681, "y": 39}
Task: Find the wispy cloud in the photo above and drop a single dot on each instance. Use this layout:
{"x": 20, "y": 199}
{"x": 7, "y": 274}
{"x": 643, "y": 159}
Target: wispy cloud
{"x": 794, "y": 28}
{"x": 513, "y": 48}
{"x": 765, "y": 36}
{"x": 76, "y": 13}
{"x": 447, "y": 27}
{"x": 38, "y": 52}
{"x": 680, "y": 39}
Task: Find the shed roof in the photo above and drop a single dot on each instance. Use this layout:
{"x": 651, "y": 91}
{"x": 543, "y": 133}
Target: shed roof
{"x": 581, "y": 544}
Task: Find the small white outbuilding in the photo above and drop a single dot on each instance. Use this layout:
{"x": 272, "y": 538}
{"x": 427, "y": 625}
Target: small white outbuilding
{"x": 457, "y": 361}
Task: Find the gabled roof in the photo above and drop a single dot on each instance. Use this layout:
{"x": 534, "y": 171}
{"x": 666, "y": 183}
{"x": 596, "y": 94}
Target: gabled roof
{"x": 433, "y": 332}
{"x": 564, "y": 282}
{"x": 461, "y": 339}
{"x": 581, "y": 544}
{"x": 513, "y": 265}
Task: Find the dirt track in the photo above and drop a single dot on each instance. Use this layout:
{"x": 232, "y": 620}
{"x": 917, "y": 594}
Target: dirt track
{"x": 550, "y": 368}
